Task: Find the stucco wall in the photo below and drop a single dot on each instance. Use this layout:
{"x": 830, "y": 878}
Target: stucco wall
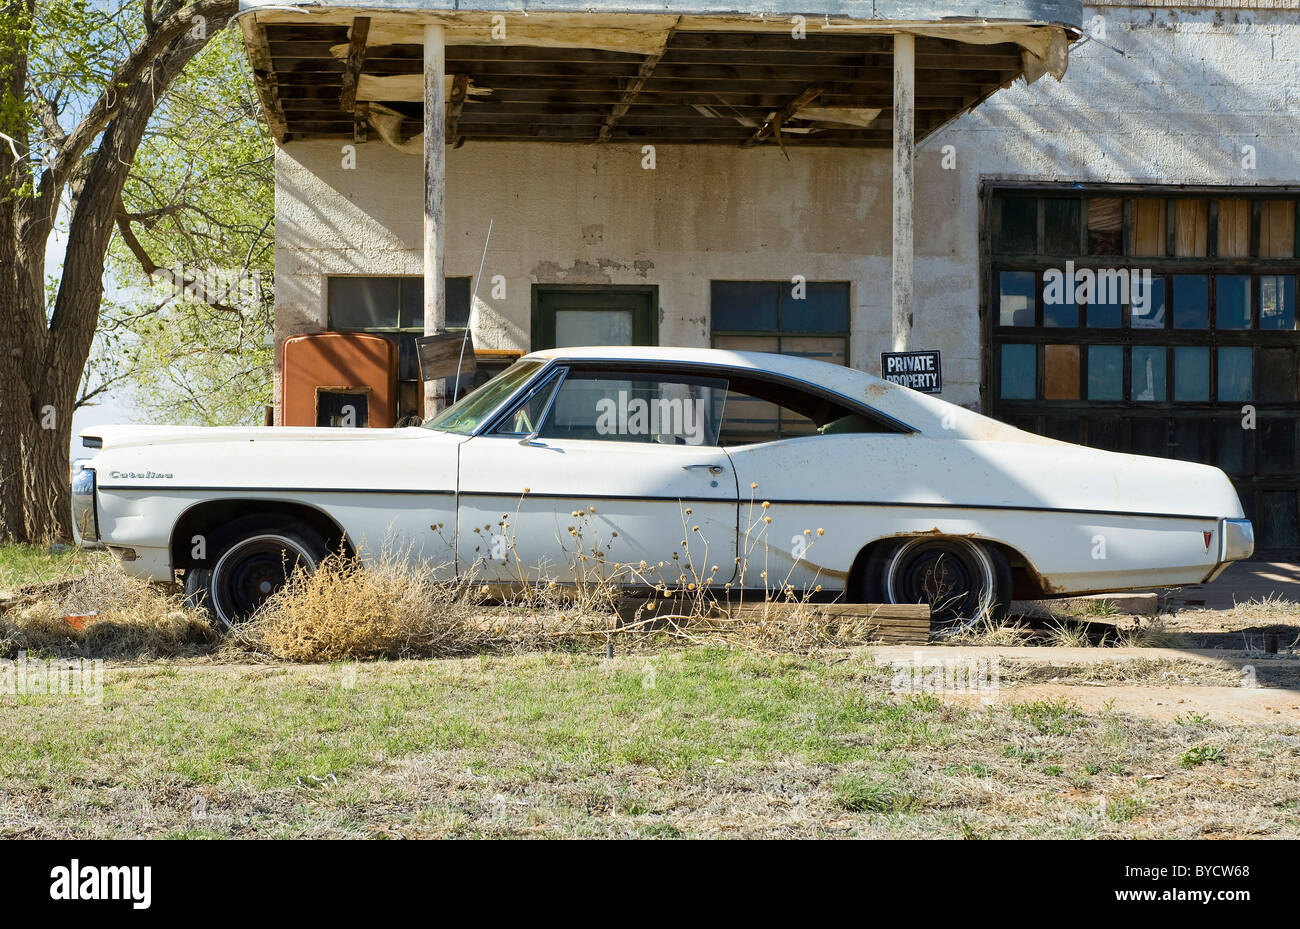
{"x": 1195, "y": 86}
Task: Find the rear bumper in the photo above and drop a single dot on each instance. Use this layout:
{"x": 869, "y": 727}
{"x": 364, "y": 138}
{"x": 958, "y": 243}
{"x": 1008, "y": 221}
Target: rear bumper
{"x": 1236, "y": 540}
{"x": 1236, "y": 543}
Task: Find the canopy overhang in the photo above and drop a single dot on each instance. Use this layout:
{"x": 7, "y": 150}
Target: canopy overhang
{"x": 424, "y": 78}
{"x": 641, "y": 73}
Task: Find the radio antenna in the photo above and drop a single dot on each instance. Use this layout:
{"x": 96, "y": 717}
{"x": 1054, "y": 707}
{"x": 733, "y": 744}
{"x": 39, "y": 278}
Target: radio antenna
{"x": 455, "y": 391}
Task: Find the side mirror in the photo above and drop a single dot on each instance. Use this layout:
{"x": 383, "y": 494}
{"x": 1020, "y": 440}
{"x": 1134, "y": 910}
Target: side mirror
{"x": 530, "y": 439}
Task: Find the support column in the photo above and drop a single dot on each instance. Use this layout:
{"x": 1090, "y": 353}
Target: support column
{"x": 904, "y": 187}
{"x": 435, "y": 174}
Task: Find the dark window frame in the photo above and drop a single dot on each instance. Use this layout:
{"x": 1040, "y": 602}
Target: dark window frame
{"x": 780, "y": 333}
{"x": 399, "y": 333}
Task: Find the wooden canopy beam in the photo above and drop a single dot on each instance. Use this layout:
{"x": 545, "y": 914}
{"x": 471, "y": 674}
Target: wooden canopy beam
{"x": 633, "y": 88}
{"x": 355, "y": 62}
{"x": 456, "y": 106}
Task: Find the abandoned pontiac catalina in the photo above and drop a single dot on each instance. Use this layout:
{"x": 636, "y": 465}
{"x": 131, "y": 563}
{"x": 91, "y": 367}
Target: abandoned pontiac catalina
{"x": 785, "y": 473}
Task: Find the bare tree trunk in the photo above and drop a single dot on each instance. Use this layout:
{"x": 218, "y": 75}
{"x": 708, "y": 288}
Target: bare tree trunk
{"x": 15, "y": 332}
{"x": 42, "y": 358}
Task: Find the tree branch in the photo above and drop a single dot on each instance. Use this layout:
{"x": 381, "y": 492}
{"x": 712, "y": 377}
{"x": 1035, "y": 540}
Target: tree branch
{"x": 137, "y": 67}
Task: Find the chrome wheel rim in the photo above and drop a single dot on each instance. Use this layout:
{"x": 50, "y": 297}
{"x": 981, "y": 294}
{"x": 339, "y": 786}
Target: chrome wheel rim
{"x": 955, "y": 577}
{"x": 250, "y": 571}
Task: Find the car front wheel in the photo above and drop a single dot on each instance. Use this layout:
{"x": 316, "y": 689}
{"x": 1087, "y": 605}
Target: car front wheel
{"x": 251, "y": 561}
{"x": 962, "y": 581}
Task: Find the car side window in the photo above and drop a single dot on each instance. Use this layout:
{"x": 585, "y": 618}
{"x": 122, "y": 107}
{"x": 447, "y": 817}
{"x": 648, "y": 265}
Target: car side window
{"x": 637, "y": 406}
{"x": 760, "y": 410}
{"x": 526, "y": 415}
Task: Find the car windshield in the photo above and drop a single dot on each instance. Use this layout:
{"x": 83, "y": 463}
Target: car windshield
{"x": 464, "y": 416}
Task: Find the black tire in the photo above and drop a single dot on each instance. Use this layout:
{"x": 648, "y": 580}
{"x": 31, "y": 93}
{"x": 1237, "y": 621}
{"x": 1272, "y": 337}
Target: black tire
{"x": 248, "y": 561}
{"x": 962, "y": 580}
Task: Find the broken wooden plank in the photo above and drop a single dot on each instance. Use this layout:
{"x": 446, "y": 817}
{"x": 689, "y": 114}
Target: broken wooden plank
{"x": 633, "y": 89}
{"x": 355, "y": 63}
{"x": 456, "y": 106}
{"x": 773, "y": 125}
{"x": 360, "y": 121}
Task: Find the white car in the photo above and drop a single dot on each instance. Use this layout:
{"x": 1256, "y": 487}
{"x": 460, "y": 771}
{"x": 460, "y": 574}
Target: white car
{"x": 737, "y": 469}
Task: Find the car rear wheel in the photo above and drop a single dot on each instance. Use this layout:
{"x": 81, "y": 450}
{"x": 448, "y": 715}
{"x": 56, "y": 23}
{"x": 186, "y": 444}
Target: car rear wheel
{"x": 963, "y": 581}
{"x": 252, "y": 559}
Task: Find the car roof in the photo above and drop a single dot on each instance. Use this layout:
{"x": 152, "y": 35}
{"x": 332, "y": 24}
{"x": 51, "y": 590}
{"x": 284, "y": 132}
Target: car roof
{"x": 801, "y": 368}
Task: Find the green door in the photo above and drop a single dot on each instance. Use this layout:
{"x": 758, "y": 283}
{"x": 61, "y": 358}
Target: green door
{"x": 565, "y": 317}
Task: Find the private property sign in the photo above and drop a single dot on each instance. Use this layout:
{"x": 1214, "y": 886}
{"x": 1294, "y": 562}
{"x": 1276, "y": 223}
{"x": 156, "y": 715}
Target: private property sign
{"x": 917, "y": 370}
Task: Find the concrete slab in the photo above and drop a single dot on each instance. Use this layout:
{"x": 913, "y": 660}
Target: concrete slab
{"x": 1224, "y": 705}
{"x": 1245, "y": 580}
{"x": 1057, "y": 654}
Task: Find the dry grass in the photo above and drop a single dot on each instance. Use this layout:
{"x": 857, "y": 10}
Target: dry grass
{"x": 1153, "y": 633}
{"x": 988, "y": 631}
{"x": 391, "y": 609}
{"x": 126, "y": 618}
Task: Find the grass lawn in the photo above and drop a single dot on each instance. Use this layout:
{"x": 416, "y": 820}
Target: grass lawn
{"x": 33, "y": 564}
{"x": 684, "y": 742}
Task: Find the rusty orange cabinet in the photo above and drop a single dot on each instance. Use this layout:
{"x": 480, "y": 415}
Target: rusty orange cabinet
{"x": 338, "y": 379}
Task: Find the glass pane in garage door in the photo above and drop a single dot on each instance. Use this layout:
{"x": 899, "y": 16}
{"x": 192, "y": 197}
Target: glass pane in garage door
{"x": 1170, "y": 375}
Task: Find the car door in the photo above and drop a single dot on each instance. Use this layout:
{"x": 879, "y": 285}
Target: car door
{"x": 807, "y": 463}
{"x": 596, "y": 468}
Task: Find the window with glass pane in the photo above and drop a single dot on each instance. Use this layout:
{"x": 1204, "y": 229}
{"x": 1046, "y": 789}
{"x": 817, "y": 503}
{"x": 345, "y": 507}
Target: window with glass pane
{"x": 1106, "y": 312}
{"x": 1019, "y": 232}
{"x": 1191, "y": 301}
{"x": 1231, "y": 301}
{"x": 1147, "y": 302}
{"x": 1148, "y": 376}
{"x": 394, "y": 308}
{"x": 526, "y": 416}
{"x": 363, "y": 303}
{"x": 815, "y": 307}
{"x": 1060, "y": 315}
{"x": 1105, "y": 372}
{"x": 1234, "y": 373}
{"x": 1277, "y": 302}
{"x": 1060, "y": 225}
{"x": 664, "y": 409}
{"x": 745, "y": 306}
{"x": 809, "y": 320}
{"x": 1191, "y": 373}
{"x": 1019, "y": 372}
{"x": 372, "y": 304}
{"x": 1016, "y": 293}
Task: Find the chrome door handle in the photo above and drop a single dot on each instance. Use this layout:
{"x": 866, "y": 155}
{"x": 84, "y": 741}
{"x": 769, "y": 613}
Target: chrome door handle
{"x": 711, "y": 468}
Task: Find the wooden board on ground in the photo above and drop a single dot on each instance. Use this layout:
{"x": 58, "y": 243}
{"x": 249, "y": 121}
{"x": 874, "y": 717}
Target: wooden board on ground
{"x": 888, "y": 623}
